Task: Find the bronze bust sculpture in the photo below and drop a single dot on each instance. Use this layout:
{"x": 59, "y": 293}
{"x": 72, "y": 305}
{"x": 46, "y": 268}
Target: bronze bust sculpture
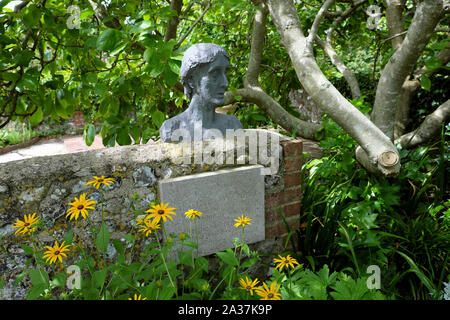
{"x": 203, "y": 75}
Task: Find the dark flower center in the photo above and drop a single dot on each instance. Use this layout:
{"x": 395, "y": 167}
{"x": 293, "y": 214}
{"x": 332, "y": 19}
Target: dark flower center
{"x": 26, "y": 224}
{"x": 57, "y": 252}
{"x": 160, "y": 211}
{"x": 80, "y": 207}
{"x": 100, "y": 180}
{"x": 249, "y": 288}
{"x": 270, "y": 295}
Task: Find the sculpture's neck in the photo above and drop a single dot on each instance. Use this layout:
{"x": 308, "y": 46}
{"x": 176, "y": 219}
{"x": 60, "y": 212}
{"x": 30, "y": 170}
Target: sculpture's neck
{"x": 200, "y": 110}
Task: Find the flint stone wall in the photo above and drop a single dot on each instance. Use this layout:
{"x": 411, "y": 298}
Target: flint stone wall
{"x": 46, "y": 185}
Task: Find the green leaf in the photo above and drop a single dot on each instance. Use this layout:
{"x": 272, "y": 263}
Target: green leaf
{"x": 36, "y": 291}
{"x": 118, "y": 245}
{"x": 167, "y": 293}
{"x": 202, "y": 264}
{"x": 59, "y": 280}
{"x": 108, "y": 39}
{"x": 89, "y": 134}
{"x": 26, "y": 248}
{"x": 99, "y": 277}
{"x": 86, "y": 14}
{"x": 23, "y": 58}
{"x": 175, "y": 66}
{"x": 39, "y": 277}
{"x": 148, "y": 53}
{"x": 170, "y": 77}
{"x": 37, "y": 116}
{"x": 31, "y": 16}
{"x": 258, "y": 117}
{"x": 123, "y": 137}
{"x": 102, "y": 239}
{"x": 425, "y": 83}
{"x": 128, "y": 237}
{"x": 9, "y": 76}
{"x": 228, "y": 257}
{"x": 415, "y": 269}
{"x": 186, "y": 257}
{"x": 68, "y": 237}
{"x": 189, "y": 244}
{"x": 158, "y": 118}
{"x": 433, "y": 63}
{"x": 135, "y": 132}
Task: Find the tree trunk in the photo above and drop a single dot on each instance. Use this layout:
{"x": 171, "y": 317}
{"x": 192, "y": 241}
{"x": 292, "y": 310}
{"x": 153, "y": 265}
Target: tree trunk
{"x": 426, "y": 17}
{"x": 379, "y": 154}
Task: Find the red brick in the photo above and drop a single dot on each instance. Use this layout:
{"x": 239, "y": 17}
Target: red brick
{"x": 293, "y": 164}
{"x": 78, "y": 118}
{"x": 275, "y": 231}
{"x": 292, "y": 195}
{"x": 292, "y": 209}
{"x": 274, "y": 199}
{"x": 271, "y": 216}
{"x": 279, "y": 228}
{"x": 292, "y": 179}
{"x": 292, "y": 148}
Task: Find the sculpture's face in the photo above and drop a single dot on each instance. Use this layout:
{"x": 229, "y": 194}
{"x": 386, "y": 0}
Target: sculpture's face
{"x": 212, "y": 82}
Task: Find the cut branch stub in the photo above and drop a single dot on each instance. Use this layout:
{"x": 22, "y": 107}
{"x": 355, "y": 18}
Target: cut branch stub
{"x": 388, "y": 159}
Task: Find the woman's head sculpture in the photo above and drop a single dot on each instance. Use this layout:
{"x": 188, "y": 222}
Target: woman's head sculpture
{"x": 197, "y": 55}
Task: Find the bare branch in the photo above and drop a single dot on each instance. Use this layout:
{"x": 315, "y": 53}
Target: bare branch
{"x": 275, "y": 111}
{"x": 348, "y": 74}
{"x": 188, "y": 32}
{"x": 429, "y": 127}
{"x": 347, "y": 13}
{"x": 317, "y": 20}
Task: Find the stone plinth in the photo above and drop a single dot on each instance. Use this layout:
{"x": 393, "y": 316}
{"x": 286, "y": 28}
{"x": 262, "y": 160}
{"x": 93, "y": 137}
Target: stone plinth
{"x": 221, "y": 196}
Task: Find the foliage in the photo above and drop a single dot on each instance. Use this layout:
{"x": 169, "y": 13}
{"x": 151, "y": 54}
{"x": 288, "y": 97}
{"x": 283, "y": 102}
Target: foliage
{"x": 354, "y": 218}
{"x": 12, "y": 135}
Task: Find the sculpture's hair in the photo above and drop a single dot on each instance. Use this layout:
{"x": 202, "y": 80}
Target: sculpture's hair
{"x": 197, "y": 55}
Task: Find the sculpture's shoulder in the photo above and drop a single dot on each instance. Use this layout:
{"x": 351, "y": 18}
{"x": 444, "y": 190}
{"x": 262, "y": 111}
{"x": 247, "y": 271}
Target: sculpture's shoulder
{"x": 231, "y": 122}
{"x": 168, "y": 127}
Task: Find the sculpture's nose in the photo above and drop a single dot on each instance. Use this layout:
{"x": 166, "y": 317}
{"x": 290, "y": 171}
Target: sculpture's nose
{"x": 223, "y": 82}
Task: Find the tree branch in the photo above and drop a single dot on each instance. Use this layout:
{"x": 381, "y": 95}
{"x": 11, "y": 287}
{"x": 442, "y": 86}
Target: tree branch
{"x": 188, "y": 32}
{"x": 400, "y": 65}
{"x": 394, "y": 21}
{"x": 348, "y": 74}
{"x": 428, "y": 129}
{"x": 317, "y": 20}
{"x": 376, "y": 152}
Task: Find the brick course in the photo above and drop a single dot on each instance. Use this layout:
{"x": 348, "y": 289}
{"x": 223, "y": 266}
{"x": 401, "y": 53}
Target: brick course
{"x": 288, "y": 200}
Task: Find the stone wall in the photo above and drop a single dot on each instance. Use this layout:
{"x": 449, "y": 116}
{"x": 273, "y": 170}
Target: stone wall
{"x": 46, "y": 185}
